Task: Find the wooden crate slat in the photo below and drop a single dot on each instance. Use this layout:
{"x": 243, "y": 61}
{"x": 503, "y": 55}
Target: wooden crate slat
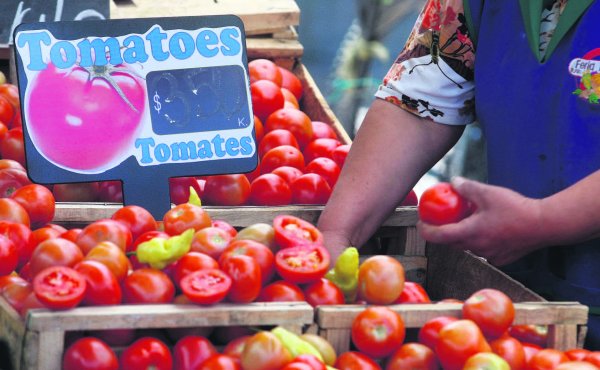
{"x": 275, "y": 49}
{"x": 12, "y": 332}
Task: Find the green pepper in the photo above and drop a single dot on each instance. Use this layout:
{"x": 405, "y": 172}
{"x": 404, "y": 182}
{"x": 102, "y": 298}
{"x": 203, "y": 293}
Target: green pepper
{"x": 344, "y": 273}
{"x": 160, "y": 252}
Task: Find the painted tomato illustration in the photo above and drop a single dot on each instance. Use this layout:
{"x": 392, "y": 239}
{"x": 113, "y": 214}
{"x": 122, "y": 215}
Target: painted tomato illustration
{"x": 85, "y": 118}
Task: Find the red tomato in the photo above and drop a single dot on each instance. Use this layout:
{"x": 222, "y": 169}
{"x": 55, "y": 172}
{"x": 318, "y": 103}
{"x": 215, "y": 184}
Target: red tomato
{"x": 380, "y": 279}
{"x": 293, "y": 120}
{"x": 264, "y": 69}
{"x": 321, "y": 147}
{"x": 486, "y": 361}
{"x": 288, "y": 173}
{"x": 244, "y": 272}
{"x": 310, "y": 188}
{"x": 292, "y": 231}
{"x": 208, "y": 286}
{"x": 7, "y": 110}
{"x": 90, "y": 353}
{"x": 54, "y": 252}
{"x": 102, "y": 286}
{"x": 3, "y": 131}
{"x": 148, "y": 285}
{"x": 21, "y": 236}
{"x": 38, "y": 201}
{"x": 264, "y": 351}
{"x": 281, "y": 291}
{"x": 76, "y": 192}
{"x": 211, "y": 241}
{"x": 441, "y": 204}
{"x": 323, "y": 292}
{"x": 185, "y": 216}
{"x": 259, "y": 129}
{"x": 254, "y": 174}
{"x": 593, "y": 358}
{"x": 11, "y": 93}
{"x": 270, "y": 190}
{"x": 322, "y": 130}
{"x": 305, "y": 362}
{"x": 30, "y": 303}
{"x": 291, "y": 82}
{"x": 411, "y": 199}
{"x": 290, "y": 99}
{"x": 222, "y": 224}
{"x": 282, "y": 155}
{"x": 12, "y": 211}
{"x": 227, "y": 190}
{"x": 111, "y": 256}
{"x": 110, "y": 191}
{"x": 492, "y": 310}
{"x": 458, "y": 341}
{"x": 510, "y": 350}
{"x": 12, "y": 179}
{"x": 258, "y": 251}
{"x": 44, "y": 233}
{"x": 576, "y": 365}
{"x": 275, "y": 138}
{"x": 146, "y": 353}
{"x": 179, "y": 189}
{"x": 12, "y": 146}
{"x": 302, "y": 265}
{"x": 430, "y": 331}
{"x": 325, "y": 167}
{"x": 547, "y": 358}
{"x": 15, "y": 291}
{"x": 235, "y": 347}
{"x": 105, "y": 230}
{"x": 191, "y": 351}
{"x": 137, "y": 219}
{"x": 59, "y": 287}
{"x": 413, "y": 293}
{"x": 266, "y": 98}
{"x": 378, "y": 331}
{"x": 413, "y": 356}
{"x": 9, "y": 256}
{"x": 535, "y": 334}
{"x": 355, "y": 361}
{"x": 340, "y": 153}
{"x": 221, "y": 362}
{"x": 577, "y": 354}
{"x": 190, "y": 262}
{"x": 71, "y": 234}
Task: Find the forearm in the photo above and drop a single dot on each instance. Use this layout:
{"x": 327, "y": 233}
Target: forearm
{"x": 391, "y": 151}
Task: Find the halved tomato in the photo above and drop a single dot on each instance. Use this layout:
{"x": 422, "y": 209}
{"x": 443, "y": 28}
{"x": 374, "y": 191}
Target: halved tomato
{"x": 302, "y": 265}
{"x": 59, "y": 287}
{"x": 208, "y": 286}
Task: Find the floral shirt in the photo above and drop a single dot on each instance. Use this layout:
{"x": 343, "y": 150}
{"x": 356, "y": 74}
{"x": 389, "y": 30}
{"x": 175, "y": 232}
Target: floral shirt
{"x": 433, "y": 75}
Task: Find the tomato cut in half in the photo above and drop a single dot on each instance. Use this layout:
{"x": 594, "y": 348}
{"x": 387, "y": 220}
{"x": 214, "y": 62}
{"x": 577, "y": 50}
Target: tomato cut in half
{"x": 59, "y": 287}
{"x": 291, "y": 231}
{"x": 302, "y": 265}
{"x": 208, "y": 286}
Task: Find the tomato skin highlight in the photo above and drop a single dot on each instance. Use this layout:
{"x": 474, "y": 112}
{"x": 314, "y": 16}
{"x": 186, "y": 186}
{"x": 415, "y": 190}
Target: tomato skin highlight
{"x": 90, "y": 353}
{"x": 378, "y": 331}
{"x": 492, "y": 310}
{"x": 146, "y": 353}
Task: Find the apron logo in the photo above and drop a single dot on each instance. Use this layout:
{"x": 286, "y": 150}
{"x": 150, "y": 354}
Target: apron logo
{"x": 587, "y": 71}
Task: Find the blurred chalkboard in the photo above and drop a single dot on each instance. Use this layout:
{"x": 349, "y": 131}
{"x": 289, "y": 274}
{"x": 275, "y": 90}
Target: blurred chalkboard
{"x": 14, "y": 12}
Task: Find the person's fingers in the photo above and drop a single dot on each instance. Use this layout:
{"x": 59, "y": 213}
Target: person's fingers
{"x": 474, "y": 191}
{"x": 444, "y": 234}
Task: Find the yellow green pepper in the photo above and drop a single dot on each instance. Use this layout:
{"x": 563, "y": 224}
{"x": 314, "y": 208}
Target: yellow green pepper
{"x": 160, "y": 252}
{"x": 344, "y": 273}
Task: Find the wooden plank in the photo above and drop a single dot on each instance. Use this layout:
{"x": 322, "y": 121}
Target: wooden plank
{"x": 274, "y": 49}
{"x": 12, "y": 333}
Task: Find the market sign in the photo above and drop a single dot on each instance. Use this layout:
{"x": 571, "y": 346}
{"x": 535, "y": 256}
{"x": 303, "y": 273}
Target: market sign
{"x": 135, "y": 100}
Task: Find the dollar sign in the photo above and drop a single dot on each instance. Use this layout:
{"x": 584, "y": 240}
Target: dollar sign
{"x": 157, "y": 105}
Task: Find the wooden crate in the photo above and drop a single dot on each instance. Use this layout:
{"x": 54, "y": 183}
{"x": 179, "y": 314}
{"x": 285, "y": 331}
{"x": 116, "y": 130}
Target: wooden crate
{"x": 38, "y": 341}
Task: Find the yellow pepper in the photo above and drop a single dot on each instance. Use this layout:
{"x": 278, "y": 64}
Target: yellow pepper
{"x": 344, "y": 273}
{"x": 159, "y": 252}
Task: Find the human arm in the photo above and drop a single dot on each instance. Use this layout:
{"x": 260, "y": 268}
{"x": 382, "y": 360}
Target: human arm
{"x": 507, "y": 225}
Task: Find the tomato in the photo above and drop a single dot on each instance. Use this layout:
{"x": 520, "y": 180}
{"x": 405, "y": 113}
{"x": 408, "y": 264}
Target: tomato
{"x": 15, "y": 292}
{"x": 275, "y": 138}
{"x": 291, "y": 82}
{"x": 102, "y": 286}
{"x": 137, "y": 219}
{"x": 146, "y": 353}
{"x": 458, "y": 341}
{"x": 325, "y": 167}
{"x": 211, "y": 241}
{"x": 59, "y": 287}
{"x": 294, "y": 120}
{"x": 227, "y": 190}
{"x": 282, "y": 155}
{"x": 576, "y": 365}
{"x": 76, "y": 192}
{"x": 289, "y": 99}
{"x": 236, "y": 346}
{"x": 492, "y": 310}
{"x": 593, "y": 357}
{"x": 179, "y": 188}
{"x": 322, "y": 130}
{"x": 110, "y": 191}
{"x": 486, "y": 361}
{"x": 258, "y": 251}
{"x": 220, "y": 362}
{"x": 12, "y": 211}
{"x": 67, "y": 144}
{"x": 21, "y": 236}
{"x": 115, "y": 337}
{"x": 530, "y": 350}
{"x": 577, "y": 354}
{"x": 12, "y": 179}
{"x": 535, "y": 334}
{"x": 7, "y": 110}
{"x": 355, "y": 361}
{"x": 378, "y": 331}
{"x": 270, "y": 190}
{"x": 261, "y": 232}
{"x": 410, "y": 199}
{"x": 10, "y": 163}
{"x": 321, "y": 147}
{"x": 3, "y": 131}
{"x": 111, "y": 256}
{"x": 288, "y": 173}
{"x": 191, "y": 351}
{"x": 31, "y": 302}
{"x": 303, "y": 264}
{"x": 54, "y": 252}
{"x": 190, "y": 262}
{"x": 90, "y": 353}
{"x": 323, "y": 292}
{"x": 323, "y": 346}
{"x": 148, "y": 285}
{"x": 264, "y": 69}
{"x": 292, "y": 231}
{"x": 510, "y": 350}
{"x": 259, "y": 130}
{"x": 9, "y": 256}
{"x": 305, "y": 362}
{"x": 264, "y": 351}
{"x": 44, "y": 233}
{"x": 244, "y": 272}
{"x": 380, "y": 279}
{"x": 222, "y": 224}
{"x": 266, "y": 98}
{"x": 12, "y": 146}
{"x": 208, "y": 286}
{"x": 185, "y": 216}
{"x": 105, "y": 230}
{"x": 310, "y": 188}
{"x": 11, "y": 93}
{"x": 413, "y": 293}
{"x": 38, "y": 201}
{"x": 413, "y": 356}
{"x": 281, "y": 291}
{"x": 71, "y": 234}
{"x": 340, "y": 153}
{"x": 440, "y": 204}
{"x": 547, "y": 358}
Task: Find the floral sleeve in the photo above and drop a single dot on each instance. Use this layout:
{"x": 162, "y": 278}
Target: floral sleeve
{"x": 433, "y": 75}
